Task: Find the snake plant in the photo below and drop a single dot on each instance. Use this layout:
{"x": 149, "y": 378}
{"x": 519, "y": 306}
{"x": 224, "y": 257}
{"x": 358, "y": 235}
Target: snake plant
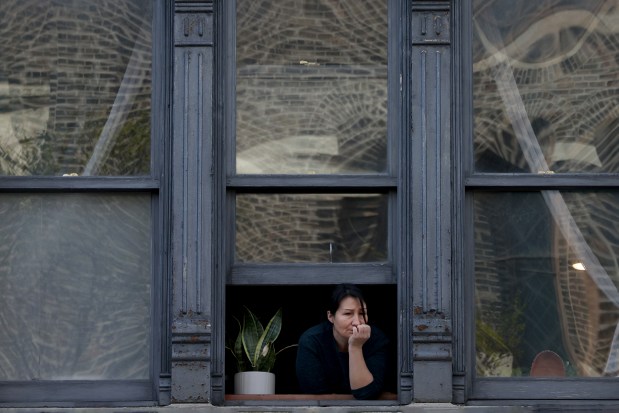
{"x": 254, "y": 347}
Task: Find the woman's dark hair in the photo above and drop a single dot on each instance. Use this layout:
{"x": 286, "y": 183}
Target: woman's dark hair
{"x": 342, "y": 291}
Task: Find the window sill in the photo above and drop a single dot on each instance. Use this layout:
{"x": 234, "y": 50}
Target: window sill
{"x": 239, "y": 397}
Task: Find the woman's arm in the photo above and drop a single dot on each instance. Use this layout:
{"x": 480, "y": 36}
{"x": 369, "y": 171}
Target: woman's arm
{"x": 367, "y": 368}
{"x": 359, "y": 374}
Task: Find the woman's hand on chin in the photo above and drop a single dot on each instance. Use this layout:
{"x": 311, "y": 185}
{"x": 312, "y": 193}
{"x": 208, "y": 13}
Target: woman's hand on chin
{"x": 360, "y": 334}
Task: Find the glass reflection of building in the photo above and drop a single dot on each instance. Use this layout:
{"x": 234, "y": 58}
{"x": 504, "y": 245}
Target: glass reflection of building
{"x": 75, "y": 269}
{"x": 75, "y": 92}
{"x": 545, "y": 101}
{"x": 311, "y": 98}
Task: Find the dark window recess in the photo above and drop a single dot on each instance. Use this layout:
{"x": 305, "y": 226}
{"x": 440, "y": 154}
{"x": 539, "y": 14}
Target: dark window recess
{"x": 303, "y": 307}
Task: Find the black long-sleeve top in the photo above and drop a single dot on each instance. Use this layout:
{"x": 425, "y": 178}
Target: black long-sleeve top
{"x": 323, "y": 369}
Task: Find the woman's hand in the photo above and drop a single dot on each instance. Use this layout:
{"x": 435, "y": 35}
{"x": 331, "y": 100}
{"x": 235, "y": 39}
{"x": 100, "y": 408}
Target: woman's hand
{"x": 359, "y": 374}
{"x": 360, "y": 334}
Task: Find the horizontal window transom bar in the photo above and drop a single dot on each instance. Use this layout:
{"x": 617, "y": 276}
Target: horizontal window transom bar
{"x": 541, "y": 388}
{"x": 304, "y": 274}
{"x": 321, "y": 182}
{"x": 541, "y": 181}
{"x": 76, "y": 391}
{"x": 70, "y": 183}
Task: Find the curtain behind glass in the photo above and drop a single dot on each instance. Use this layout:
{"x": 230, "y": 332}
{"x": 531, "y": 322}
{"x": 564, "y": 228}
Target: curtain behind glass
{"x": 546, "y": 263}
{"x": 547, "y": 278}
{"x": 545, "y": 85}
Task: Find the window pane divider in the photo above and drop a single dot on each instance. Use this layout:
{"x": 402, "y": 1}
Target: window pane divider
{"x": 317, "y": 182}
{"x": 312, "y": 273}
{"x": 509, "y": 182}
{"x": 525, "y": 388}
{"x": 49, "y": 392}
{"x": 29, "y": 184}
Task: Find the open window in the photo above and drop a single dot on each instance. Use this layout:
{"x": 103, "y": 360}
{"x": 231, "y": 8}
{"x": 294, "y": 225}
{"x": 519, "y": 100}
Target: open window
{"x": 303, "y": 307}
{"x": 309, "y": 149}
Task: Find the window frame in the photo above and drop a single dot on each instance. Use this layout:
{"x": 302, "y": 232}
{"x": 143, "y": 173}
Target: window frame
{"x": 512, "y": 390}
{"x": 385, "y": 183}
{"x": 228, "y": 183}
{"x": 155, "y": 389}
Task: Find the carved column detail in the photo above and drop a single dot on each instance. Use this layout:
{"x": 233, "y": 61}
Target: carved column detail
{"x": 191, "y": 200}
{"x": 431, "y": 189}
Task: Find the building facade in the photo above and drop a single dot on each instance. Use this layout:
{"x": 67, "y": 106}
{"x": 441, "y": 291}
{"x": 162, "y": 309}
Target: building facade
{"x": 165, "y": 163}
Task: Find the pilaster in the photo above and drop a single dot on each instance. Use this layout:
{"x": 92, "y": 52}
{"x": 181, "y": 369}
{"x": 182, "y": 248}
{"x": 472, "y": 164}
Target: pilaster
{"x": 431, "y": 165}
{"x": 192, "y": 185}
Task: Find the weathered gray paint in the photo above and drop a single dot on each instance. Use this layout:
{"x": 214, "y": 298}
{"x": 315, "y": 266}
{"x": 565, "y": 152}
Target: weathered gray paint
{"x": 161, "y": 158}
{"x": 461, "y": 104}
{"x": 192, "y": 186}
{"x": 430, "y": 164}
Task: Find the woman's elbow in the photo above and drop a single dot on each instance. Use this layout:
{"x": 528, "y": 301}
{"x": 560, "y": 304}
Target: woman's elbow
{"x": 370, "y": 392}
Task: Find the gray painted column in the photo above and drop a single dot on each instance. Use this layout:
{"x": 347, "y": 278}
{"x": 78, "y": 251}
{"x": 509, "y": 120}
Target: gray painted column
{"x": 431, "y": 204}
{"x": 191, "y": 201}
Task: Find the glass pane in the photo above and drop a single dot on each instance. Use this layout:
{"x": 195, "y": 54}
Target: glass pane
{"x": 311, "y": 228}
{"x": 546, "y": 281}
{"x": 545, "y": 85}
{"x": 75, "y": 286}
{"x": 311, "y": 86}
{"x": 75, "y": 87}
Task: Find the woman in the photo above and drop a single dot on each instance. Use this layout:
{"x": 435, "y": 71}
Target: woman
{"x": 343, "y": 354}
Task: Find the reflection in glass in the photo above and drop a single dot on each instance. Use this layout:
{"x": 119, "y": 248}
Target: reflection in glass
{"x": 311, "y": 86}
{"x": 311, "y": 228}
{"x": 75, "y": 286}
{"x": 547, "y": 278}
{"x": 545, "y": 85}
{"x": 75, "y": 87}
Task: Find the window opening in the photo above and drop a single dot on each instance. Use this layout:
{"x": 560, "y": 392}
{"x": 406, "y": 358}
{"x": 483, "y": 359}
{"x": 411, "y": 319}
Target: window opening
{"x": 303, "y": 307}
{"x": 311, "y": 183}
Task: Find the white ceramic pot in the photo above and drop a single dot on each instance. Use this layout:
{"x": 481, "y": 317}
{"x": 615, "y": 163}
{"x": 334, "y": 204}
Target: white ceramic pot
{"x": 254, "y": 382}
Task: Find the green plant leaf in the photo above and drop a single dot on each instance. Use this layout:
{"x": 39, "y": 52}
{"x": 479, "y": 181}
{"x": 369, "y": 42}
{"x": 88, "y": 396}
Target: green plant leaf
{"x": 271, "y": 332}
{"x": 266, "y": 361}
{"x": 236, "y": 348}
{"x": 252, "y": 331}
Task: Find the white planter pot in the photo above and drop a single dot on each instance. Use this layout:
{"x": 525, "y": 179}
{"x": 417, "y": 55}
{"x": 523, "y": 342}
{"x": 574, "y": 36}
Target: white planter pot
{"x": 254, "y": 382}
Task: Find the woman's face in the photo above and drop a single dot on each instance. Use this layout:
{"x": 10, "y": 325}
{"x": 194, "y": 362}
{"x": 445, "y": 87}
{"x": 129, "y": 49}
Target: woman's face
{"x": 349, "y": 314}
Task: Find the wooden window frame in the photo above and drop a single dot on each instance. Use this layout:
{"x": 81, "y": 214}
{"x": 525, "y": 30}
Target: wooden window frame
{"x": 228, "y": 184}
{"x": 155, "y": 389}
{"x": 517, "y": 390}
